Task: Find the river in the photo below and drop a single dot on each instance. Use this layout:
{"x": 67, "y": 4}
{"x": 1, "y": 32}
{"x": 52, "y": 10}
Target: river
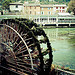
{"x": 63, "y": 44}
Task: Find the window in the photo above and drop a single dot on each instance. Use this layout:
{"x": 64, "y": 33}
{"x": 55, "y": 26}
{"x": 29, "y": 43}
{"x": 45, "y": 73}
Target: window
{"x": 63, "y": 11}
{"x": 49, "y": 13}
{"x": 16, "y": 6}
{"x": 30, "y": 7}
{"x": 30, "y": 12}
{"x": 56, "y": 7}
{"x": 60, "y": 10}
{"x": 42, "y": 8}
{"x": 38, "y": 12}
{"x": 63, "y": 7}
{"x": 49, "y": 8}
{"x": 42, "y": 13}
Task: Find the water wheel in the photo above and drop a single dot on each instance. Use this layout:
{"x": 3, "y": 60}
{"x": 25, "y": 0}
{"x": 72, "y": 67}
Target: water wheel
{"x": 21, "y": 48}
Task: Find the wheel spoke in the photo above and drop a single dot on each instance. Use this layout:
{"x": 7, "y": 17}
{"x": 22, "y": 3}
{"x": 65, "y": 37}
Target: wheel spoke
{"x": 21, "y": 47}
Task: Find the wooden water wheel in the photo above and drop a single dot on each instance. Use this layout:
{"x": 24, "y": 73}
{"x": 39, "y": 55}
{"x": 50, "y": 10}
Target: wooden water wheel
{"x": 21, "y": 48}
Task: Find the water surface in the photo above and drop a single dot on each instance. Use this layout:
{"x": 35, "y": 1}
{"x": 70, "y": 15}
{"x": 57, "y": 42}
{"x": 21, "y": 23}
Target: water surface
{"x": 63, "y": 44}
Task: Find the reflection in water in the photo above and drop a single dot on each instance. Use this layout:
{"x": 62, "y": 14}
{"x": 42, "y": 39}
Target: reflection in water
{"x": 63, "y": 42}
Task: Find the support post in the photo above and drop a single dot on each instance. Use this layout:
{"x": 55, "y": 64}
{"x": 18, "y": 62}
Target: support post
{"x": 57, "y": 21}
{"x": 48, "y": 19}
{"x": 69, "y": 25}
{"x": 57, "y": 25}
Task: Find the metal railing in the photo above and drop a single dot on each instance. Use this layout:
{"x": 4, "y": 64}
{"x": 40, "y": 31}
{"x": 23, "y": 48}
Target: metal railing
{"x": 63, "y": 72}
{"x": 44, "y": 19}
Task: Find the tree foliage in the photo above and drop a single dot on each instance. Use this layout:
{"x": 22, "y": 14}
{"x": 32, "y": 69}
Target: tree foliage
{"x": 5, "y": 4}
{"x": 71, "y": 6}
{"x": 62, "y": 0}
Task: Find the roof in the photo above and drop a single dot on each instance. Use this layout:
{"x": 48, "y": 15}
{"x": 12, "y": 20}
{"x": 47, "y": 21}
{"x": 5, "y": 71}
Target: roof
{"x": 16, "y": 3}
{"x": 46, "y": 5}
{"x": 38, "y": 5}
{"x": 32, "y": 4}
{"x": 63, "y": 14}
{"x": 60, "y": 5}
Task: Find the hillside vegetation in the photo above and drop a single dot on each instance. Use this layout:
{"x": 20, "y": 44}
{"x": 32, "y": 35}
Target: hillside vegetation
{"x": 43, "y": 1}
{"x": 5, "y": 3}
{"x": 62, "y": 0}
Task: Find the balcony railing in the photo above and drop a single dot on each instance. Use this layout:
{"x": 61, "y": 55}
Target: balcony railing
{"x": 63, "y": 72}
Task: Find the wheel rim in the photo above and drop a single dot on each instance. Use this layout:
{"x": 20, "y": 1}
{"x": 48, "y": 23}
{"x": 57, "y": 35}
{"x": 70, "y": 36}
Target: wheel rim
{"x": 18, "y": 40}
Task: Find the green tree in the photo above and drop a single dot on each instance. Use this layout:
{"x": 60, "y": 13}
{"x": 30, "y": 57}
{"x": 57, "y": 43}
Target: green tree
{"x": 62, "y": 0}
{"x": 71, "y": 6}
{"x": 5, "y": 4}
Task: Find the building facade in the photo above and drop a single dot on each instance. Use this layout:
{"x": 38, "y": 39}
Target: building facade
{"x": 59, "y": 9}
{"x": 46, "y": 9}
{"x": 17, "y": 7}
{"x": 0, "y": 12}
{"x": 31, "y": 9}
{"x": 37, "y": 9}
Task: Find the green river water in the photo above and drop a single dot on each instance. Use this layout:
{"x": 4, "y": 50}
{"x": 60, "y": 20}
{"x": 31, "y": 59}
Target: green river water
{"x": 63, "y": 44}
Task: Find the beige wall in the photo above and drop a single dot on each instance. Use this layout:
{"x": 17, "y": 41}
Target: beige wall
{"x": 60, "y": 9}
{"x": 13, "y": 7}
{"x": 32, "y": 10}
{"x": 46, "y": 10}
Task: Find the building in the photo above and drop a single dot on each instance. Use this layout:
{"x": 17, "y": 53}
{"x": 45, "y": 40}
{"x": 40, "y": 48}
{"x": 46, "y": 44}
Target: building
{"x": 31, "y": 9}
{"x": 38, "y": 9}
{"x": 59, "y": 9}
{"x": 0, "y": 12}
{"x": 46, "y": 9}
{"x": 17, "y": 6}
{"x": 64, "y": 14}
